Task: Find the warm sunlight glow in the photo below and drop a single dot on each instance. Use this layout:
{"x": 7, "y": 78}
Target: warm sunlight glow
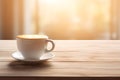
{"x": 69, "y": 19}
{"x": 50, "y": 1}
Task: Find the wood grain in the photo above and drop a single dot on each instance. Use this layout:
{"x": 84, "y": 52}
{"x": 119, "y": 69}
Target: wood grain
{"x": 74, "y": 58}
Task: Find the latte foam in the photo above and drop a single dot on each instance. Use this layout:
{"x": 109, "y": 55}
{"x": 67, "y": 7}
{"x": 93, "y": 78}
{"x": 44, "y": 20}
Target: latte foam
{"x": 32, "y": 36}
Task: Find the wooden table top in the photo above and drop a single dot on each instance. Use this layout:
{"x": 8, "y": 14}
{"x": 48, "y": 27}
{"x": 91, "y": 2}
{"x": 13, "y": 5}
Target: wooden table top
{"x": 74, "y": 58}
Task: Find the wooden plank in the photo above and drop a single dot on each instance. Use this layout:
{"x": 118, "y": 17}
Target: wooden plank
{"x": 73, "y": 59}
{"x": 8, "y": 45}
{"x": 69, "y": 69}
{"x": 72, "y": 56}
{"x": 59, "y": 78}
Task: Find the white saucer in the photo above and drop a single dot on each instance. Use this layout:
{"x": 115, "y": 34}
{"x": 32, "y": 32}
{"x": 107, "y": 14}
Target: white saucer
{"x": 18, "y": 56}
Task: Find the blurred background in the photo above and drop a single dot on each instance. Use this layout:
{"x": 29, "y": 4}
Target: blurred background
{"x": 61, "y": 19}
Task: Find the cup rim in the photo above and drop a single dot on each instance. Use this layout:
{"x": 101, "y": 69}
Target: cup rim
{"x": 21, "y": 36}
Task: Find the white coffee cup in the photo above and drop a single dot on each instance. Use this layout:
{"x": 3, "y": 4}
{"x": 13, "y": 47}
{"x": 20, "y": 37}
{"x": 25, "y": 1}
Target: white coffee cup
{"x": 33, "y": 46}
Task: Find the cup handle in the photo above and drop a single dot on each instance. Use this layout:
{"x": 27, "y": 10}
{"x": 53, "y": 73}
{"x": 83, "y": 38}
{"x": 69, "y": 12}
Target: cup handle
{"x": 53, "y": 45}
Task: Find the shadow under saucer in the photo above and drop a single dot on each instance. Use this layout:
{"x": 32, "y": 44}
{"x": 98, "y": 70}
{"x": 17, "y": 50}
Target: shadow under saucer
{"x": 21, "y": 65}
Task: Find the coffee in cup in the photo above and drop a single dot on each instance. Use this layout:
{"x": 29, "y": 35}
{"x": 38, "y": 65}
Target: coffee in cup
{"x": 33, "y": 46}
